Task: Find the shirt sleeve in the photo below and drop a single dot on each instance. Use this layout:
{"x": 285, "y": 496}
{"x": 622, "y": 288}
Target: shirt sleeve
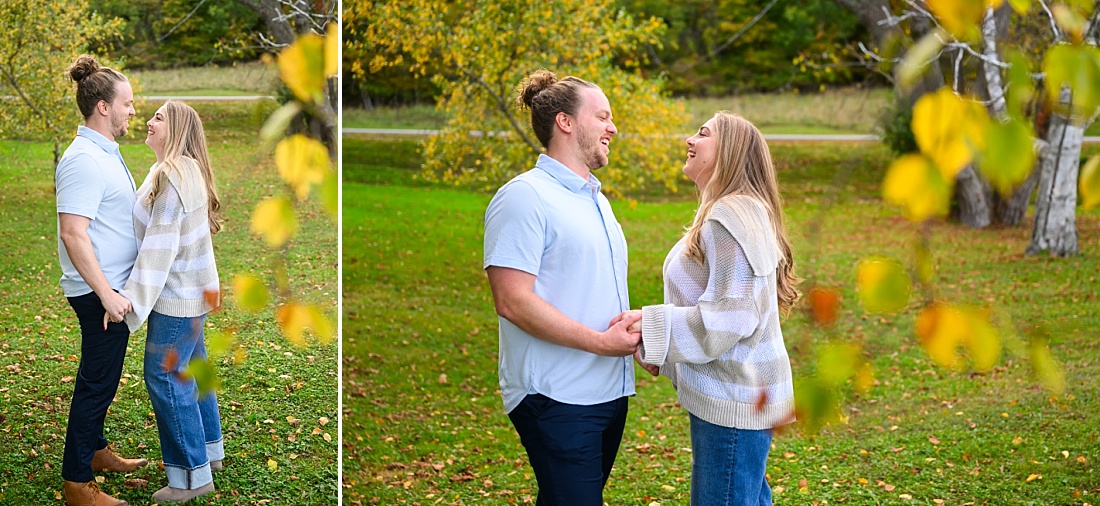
{"x": 79, "y": 186}
{"x": 726, "y": 313}
{"x": 158, "y": 251}
{"x": 515, "y": 229}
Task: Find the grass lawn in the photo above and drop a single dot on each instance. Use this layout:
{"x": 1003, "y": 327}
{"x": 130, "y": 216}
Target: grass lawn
{"x": 839, "y": 111}
{"x": 252, "y": 78}
{"x": 278, "y": 406}
{"x": 423, "y": 422}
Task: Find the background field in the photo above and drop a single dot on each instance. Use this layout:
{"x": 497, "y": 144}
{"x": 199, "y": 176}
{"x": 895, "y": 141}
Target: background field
{"x": 423, "y": 422}
{"x": 278, "y": 406}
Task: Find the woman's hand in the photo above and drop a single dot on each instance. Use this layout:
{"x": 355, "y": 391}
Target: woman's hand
{"x": 652, "y": 369}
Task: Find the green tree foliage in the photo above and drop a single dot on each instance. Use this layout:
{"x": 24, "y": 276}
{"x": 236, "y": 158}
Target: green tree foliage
{"x": 713, "y": 47}
{"x": 174, "y": 33}
{"x": 476, "y": 52}
{"x": 38, "y": 43}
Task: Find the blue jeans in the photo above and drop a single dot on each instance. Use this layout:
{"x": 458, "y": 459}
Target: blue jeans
{"x": 571, "y": 448}
{"x": 101, "y": 356}
{"x": 728, "y": 465}
{"x": 188, "y": 425}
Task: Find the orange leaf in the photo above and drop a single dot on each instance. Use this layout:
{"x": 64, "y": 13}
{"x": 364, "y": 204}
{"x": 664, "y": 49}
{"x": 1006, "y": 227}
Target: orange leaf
{"x": 824, "y": 303}
{"x": 213, "y": 299}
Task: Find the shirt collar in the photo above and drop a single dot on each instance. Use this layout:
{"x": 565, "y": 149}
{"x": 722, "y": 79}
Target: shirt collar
{"x": 565, "y": 176}
{"x": 104, "y": 143}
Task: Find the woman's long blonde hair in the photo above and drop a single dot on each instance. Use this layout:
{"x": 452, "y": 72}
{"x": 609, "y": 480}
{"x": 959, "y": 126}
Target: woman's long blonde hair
{"x": 186, "y": 139}
{"x": 744, "y": 167}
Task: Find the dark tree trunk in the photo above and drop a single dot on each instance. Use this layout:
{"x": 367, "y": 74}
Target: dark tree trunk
{"x": 973, "y": 195}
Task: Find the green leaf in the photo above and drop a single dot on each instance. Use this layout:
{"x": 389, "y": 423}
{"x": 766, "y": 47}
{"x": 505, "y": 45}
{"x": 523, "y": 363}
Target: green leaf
{"x": 883, "y": 285}
{"x": 218, "y": 343}
{"x": 1020, "y": 87}
{"x": 1089, "y": 183}
{"x": 916, "y": 59}
{"x": 204, "y": 374}
{"x": 275, "y": 126}
{"x": 838, "y": 362}
{"x": 815, "y": 405}
{"x": 330, "y": 193}
{"x": 1009, "y": 155}
{"x": 981, "y": 340}
{"x": 250, "y": 292}
{"x": 1079, "y": 68}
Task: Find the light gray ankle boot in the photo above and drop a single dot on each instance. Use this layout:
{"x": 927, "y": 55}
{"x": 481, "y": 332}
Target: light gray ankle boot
{"x": 181, "y": 495}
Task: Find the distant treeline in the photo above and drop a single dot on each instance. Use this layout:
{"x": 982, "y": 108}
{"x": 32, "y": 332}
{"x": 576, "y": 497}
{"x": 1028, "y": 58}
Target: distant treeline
{"x": 180, "y": 33}
{"x": 711, "y": 48}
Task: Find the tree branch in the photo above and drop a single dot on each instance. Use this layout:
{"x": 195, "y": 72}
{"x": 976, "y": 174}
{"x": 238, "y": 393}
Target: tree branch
{"x": 503, "y": 106}
{"x": 182, "y": 21}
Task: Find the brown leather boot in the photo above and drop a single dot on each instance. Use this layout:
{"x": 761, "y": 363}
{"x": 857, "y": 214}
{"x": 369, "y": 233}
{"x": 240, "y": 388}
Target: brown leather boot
{"x": 88, "y": 494}
{"x": 107, "y": 460}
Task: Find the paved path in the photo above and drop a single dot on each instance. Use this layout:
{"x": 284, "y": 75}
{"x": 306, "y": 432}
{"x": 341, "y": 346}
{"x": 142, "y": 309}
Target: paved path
{"x": 771, "y": 137}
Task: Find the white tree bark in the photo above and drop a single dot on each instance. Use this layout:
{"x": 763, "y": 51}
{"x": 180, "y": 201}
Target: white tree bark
{"x": 1055, "y": 227}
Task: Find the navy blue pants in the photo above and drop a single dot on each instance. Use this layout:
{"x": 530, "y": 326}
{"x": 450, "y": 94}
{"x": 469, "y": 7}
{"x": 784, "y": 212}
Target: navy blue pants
{"x": 101, "y": 356}
{"x": 571, "y": 448}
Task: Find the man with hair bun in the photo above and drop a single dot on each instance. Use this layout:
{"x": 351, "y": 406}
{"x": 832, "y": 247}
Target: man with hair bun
{"x": 556, "y": 261}
{"x": 96, "y": 247}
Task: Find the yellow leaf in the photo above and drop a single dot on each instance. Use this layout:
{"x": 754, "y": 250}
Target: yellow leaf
{"x": 1089, "y": 183}
{"x": 941, "y": 329}
{"x": 1045, "y": 367}
{"x": 274, "y": 219}
{"x": 981, "y": 339}
{"x": 949, "y": 130}
{"x": 1033, "y": 477}
{"x": 922, "y": 262}
{"x": 960, "y": 17}
{"x": 302, "y": 67}
{"x": 913, "y": 183}
{"x": 883, "y": 285}
{"x": 332, "y": 49}
{"x": 295, "y": 319}
{"x": 249, "y": 292}
{"x": 302, "y": 162}
{"x": 272, "y": 465}
{"x": 1070, "y": 21}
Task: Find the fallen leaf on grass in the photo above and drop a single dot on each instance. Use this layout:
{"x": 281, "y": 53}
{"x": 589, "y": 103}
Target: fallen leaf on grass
{"x": 934, "y": 440}
{"x": 1033, "y": 477}
{"x": 135, "y": 483}
{"x": 271, "y": 464}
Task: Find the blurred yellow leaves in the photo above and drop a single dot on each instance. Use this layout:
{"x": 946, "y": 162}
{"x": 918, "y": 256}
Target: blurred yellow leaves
{"x": 961, "y": 18}
{"x": 295, "y": 319}
{"x": 302, "y": 162}
{"x": 203, "y": 372}
{"x": 883, "y": 285}
{"x": 1079, "y": 68}
{"x": 942, "y": 328}
{"x": 274, "y": 219}
{"x": 949, "y": 129}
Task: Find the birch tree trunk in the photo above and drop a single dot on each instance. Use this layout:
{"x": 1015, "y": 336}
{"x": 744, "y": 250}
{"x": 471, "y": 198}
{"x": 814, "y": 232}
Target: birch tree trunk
{"x": 1055, "y": 227}
{"x": 973, "y": 196}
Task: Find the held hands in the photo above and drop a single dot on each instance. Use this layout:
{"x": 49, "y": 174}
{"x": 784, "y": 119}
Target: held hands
{"x": 116, "y": 306}
{"x": 618, "y": 341}
{"x": 652, "y": 369}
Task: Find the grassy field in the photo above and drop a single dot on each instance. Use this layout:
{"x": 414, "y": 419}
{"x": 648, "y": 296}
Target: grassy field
{"x": 241, "y": 79}
{"x": 841, "y": 111}
{"x": 278, "y": 406}
{"x": 423, "y": 422}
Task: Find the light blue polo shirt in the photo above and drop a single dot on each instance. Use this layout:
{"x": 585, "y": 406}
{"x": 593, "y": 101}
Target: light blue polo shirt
{"x": 552, "y": 223}
{"x": 92, "y": 181}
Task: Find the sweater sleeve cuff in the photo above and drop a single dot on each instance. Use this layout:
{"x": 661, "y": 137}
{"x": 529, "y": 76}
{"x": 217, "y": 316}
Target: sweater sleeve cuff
{"x": 654, "y": 335}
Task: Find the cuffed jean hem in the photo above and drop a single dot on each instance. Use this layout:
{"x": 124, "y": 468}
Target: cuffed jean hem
{"x": 215, "y": 450}
{"x": 188, "y": 479}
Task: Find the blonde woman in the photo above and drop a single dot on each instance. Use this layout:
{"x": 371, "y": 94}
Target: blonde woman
{"x": 173, "y": 285}
{"x": 717, "y": 336}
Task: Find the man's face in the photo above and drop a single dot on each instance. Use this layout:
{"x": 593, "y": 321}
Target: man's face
{"x": 594, "y": 128}
{"x": 121, "y": 109}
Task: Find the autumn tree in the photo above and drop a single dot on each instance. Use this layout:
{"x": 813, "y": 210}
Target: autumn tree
{"x": 477, "y": 51}
{"x": 38, "y": 43}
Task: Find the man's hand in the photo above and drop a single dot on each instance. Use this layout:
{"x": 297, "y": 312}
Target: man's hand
{"x": 617, "y": 341}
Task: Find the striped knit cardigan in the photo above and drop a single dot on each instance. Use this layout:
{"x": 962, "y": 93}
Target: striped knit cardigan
{"x": 175, "y": 273}
{"x": 717, "y": 336}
